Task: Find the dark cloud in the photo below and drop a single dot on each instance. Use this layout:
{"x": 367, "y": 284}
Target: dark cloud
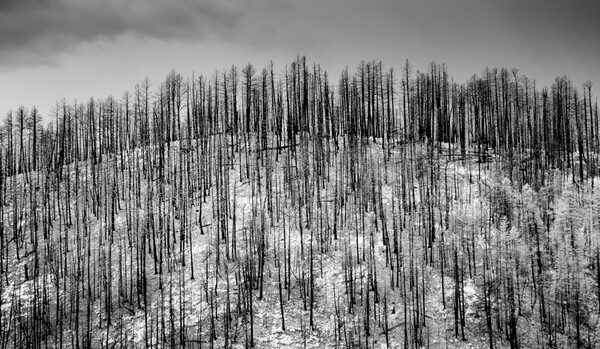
{"x": 33, "y": 31}
{"x": 545, "y": 37}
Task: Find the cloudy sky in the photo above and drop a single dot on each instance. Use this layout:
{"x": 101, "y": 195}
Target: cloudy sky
{"x": 75, "y": 49}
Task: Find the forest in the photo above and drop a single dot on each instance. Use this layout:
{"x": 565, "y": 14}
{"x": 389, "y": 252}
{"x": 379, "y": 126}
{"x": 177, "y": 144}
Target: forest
{"x": 284, "y": 207}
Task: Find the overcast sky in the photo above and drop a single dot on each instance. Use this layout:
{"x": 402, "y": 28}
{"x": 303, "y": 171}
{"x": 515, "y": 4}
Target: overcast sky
{"x": 75, "y": 49}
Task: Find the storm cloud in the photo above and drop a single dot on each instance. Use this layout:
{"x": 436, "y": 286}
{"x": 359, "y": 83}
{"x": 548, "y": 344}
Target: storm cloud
{"x": 32, "y": 31}
{"x": 35, "y": 31}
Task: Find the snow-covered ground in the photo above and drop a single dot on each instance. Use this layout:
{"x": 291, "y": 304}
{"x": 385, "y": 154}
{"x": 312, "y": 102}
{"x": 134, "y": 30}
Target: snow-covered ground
{"x": 413, "y": 226}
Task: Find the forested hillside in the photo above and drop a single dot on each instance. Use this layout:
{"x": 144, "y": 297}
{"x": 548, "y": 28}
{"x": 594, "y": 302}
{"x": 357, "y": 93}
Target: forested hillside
{"x": 283, "y": 207}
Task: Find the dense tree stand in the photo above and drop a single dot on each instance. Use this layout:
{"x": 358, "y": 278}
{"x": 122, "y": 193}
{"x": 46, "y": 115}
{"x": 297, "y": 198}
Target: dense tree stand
{"x": 265, "y": 208}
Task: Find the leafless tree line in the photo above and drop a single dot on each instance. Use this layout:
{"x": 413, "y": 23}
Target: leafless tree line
{"x": 187, "y": 205}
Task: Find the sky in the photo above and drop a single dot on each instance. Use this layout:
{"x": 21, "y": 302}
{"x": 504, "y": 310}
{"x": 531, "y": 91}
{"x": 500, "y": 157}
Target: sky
{"x": 77, "y": 49}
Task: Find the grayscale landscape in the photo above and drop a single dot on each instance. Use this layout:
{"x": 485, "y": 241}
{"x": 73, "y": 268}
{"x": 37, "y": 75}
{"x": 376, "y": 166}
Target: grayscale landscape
{"x": 286, "y": 174}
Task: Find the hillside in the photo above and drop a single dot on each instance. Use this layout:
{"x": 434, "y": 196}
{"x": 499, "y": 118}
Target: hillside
{"x": 182, "y": 219}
